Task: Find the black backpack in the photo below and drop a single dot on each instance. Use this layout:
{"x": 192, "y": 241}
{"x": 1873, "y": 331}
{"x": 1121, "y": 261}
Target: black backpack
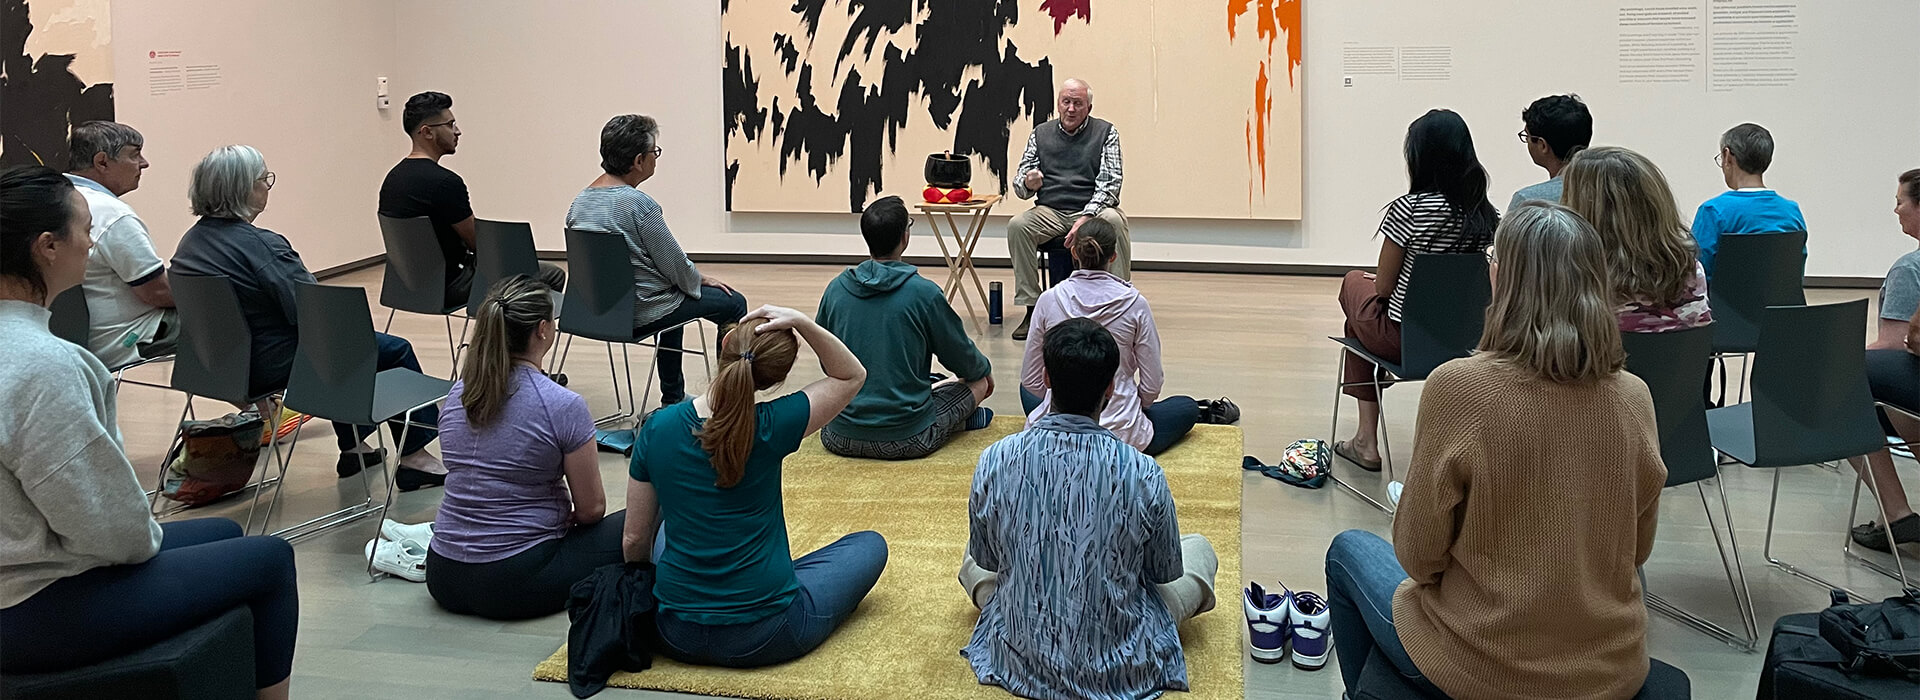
{"x": 1875, "y": 639}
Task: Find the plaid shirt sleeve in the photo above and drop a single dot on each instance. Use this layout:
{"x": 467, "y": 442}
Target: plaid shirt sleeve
{"x": 1106, "y": 184}
{"x": 1029, "y": 159}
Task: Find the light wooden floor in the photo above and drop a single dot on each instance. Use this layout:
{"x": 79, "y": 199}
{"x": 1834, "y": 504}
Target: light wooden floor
{"x": 1258, "y": 339}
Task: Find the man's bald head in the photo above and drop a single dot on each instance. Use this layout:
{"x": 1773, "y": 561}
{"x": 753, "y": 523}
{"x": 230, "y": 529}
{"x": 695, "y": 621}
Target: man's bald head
{"x": 1075, "y": 104}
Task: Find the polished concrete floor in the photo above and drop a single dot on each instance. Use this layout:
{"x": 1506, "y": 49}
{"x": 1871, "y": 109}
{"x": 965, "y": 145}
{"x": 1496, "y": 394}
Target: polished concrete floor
{"x": 1258, "y": 339}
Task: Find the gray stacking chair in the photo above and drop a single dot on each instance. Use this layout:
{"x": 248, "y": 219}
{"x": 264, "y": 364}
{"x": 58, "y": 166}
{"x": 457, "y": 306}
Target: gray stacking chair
{"x": 1440, "y": 320}
{"x": 214, "y": 360}
{"x": 1810, "y": 402}
{"x": 416, "y": 275}
{"x": 1674, "y": 365}
{"x": 72, "y": 322}
{"x": 501, "y": 249}
{"x": 1753, "y": 271}
{"x": 334, "y": 378}
{"x": 599, "y": 307}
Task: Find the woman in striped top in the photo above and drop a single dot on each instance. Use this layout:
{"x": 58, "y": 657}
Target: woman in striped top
{"x": 1445, "y": 211}
{"x": 668, "y": 291}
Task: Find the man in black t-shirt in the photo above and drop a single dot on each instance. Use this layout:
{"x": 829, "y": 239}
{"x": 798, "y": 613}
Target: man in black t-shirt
{"x": 420, "y": 186}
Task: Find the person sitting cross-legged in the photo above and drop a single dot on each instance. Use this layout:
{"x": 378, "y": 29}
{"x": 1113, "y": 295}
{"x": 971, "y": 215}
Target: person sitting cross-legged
{"x": 729, "y": 591}
{"x": 1532, "y": 499}
{"x": 525, "y": 515}
{"x": 1075, "y": 556}
{"x": 1136, "y": 413}
{"x": 895, "y": 321}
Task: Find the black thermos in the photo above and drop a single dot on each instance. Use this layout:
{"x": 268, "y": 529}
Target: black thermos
{"x": 993, "y": 302}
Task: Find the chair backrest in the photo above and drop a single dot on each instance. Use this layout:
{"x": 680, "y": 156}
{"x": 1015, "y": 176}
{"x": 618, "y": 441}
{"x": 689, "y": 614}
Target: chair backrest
{"x": 600, "y": 292}
{"x": 1444, "y": 311}
{"x": 1753, "y": 271}
{"x": 71, "y": 321}
{"x": 416, "y": 277}
{"x": 334, "y": 368}
{"x": 1674, "y": 366}
{"x": 501, "y": 249}
{"x": 214, "y": 357}
{"x": 1810, "y": 397}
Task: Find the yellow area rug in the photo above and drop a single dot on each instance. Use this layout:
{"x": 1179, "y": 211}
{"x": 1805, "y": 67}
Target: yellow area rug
{"x": 905, "y": 640}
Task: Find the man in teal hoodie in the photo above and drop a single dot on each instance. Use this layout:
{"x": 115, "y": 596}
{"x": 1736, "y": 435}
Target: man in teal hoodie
{"x": 896, "y": 322}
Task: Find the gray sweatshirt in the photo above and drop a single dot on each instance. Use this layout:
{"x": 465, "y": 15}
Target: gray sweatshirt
{"x": 69, "y": 500}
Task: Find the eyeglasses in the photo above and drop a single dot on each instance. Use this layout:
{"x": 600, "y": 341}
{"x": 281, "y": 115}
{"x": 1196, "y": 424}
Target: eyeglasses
{"x": 267, "y": 178}
{"x": 1720, "y": 159}
{"x": 449, "y": 122}
{"x": 657, "y": 151}
{"x": 1526, "y": 137}
{"x": 910, "y": 221}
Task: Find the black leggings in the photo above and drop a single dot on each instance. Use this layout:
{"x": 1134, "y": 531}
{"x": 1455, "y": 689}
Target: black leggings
{"x": 533, "y": 583}
{"x": 204, "y": 569}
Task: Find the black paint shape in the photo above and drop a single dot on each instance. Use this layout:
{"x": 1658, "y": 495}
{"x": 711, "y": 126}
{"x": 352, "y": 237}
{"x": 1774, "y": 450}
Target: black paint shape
{"x": 733, "y": 172}
{"x": 39, "y": 102}
{"x": 955, "y": 35}
{"x": 741, "y": 103}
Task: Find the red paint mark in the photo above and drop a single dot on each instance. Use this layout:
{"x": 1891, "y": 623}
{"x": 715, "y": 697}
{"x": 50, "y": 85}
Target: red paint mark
{"x": 1063, "y": 10}
{"x": 1271, "y": 19}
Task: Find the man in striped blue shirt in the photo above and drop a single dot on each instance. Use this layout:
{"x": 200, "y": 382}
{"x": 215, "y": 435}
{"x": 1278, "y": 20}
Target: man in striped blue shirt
{"x": 1075, "y": 557}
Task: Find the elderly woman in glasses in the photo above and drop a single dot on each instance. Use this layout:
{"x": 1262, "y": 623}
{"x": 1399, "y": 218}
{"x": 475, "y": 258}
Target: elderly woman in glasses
{"x": 228, "y": 191}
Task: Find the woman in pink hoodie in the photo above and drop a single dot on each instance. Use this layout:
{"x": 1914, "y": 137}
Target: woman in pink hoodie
{"x": 1135, "y": 412}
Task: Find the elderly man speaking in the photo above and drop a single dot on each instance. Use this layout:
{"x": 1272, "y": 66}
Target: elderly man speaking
{"x": 1072, "y": 166}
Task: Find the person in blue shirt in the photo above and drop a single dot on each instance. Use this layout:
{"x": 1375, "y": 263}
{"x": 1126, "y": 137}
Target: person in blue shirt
{"x": 1748, "y": 206}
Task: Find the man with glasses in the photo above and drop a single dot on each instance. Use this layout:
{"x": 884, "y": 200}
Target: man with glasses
{"x": 1748, "y": 205}
{"x": 129, "y": 305}
{"x": 420, "y": 186}
{"x": 896, "y": 322}
{"x": 1556, "y": 127}
{"x": 1071, "y": 169}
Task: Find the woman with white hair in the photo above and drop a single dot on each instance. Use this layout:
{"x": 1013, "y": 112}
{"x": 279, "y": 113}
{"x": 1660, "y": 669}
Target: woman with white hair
{"x": 229, "y": 190}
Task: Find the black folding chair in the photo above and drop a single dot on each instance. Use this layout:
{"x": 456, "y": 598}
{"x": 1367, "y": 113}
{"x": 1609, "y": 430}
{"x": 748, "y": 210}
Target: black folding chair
{"x": 415, "y": 279}
{"x": 214, "y": 360}
{"x": 73, "y": 322}
{"x": 1674, "y": 366}
{"x": 1810, "y": 403}
{"x": 600, "y": 301}
{"x": 1440, "y": 320}
{"x": 335, "y": 377}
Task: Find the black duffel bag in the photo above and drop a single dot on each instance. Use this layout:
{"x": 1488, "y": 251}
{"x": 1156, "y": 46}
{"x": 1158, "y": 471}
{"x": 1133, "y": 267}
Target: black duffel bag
{"x": 1850, "y": 651}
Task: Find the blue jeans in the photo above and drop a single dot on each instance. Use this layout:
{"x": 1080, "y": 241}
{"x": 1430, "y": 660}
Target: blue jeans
{"x": 1172, "y": 418}
{"x": 204, "y": 568}
{"x": 833, "y": 580}
{"x": 715, "y": 304}
{"x": 395, "y": 353}
{"x": 1362, "y": 574}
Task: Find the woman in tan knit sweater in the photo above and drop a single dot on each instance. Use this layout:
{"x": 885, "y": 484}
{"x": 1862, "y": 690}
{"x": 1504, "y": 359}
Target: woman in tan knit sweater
{"x": 1531, "y": 501}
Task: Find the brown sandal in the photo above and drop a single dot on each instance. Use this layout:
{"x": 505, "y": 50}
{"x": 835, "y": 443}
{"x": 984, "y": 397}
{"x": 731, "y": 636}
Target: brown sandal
{"x": 1346, "y": 452}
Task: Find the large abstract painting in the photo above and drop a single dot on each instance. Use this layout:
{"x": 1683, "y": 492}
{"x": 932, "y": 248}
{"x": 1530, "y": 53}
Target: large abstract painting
{"x": 833, "y": 103}
{"x": 55, "y": 71}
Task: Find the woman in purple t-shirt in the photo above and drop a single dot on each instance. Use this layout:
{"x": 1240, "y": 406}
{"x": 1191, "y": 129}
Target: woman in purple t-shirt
{"x": 525, "y": 515}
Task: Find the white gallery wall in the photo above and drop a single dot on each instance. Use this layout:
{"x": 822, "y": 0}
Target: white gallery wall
{"x": 533, "y": 82}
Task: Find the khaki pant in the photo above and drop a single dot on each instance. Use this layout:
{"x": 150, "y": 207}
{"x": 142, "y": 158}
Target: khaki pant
{"x": 1040, "y": 224}
{"x": 1187, "y": 596}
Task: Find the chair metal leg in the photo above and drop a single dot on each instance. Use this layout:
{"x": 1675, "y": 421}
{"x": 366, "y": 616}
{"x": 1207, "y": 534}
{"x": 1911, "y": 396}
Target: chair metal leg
{"x": 315, "y": 526}
{"x": 392, "y": 484}
{"x": 166, "y": 458}
{"x": 1386, "y": 446}
{"x": 615, "y": 373}
{"x": 1899, "y": 570}
{"x": 389, "y": 327}
{"x": 1736, "y": 581}
{"x": 1773, "y": 505}
{"x": 624, "y": 408}
{"x": 1334, "y": 433}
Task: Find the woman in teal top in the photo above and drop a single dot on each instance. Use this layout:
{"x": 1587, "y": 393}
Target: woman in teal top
{"x": 728, "y": 590}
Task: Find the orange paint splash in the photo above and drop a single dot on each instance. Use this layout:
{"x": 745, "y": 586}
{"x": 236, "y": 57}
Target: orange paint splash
{"x": 1271, "y": 19}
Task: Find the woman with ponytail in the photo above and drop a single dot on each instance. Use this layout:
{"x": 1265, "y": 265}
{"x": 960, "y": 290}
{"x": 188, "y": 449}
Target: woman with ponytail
{"x": 1135, "y": 413}
{"x": 728, "y": 590}
{"x": 525, "y": 515}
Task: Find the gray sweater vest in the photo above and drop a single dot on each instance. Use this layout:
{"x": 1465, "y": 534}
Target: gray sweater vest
{"x": 1068, "y": 164}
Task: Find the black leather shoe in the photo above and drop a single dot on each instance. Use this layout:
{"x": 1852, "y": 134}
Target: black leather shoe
{"x": 1905, "y": 530}
{"x": 352, "y": 462}
{"x": 1020, "y": 333}
{"x": 414, "y": 479}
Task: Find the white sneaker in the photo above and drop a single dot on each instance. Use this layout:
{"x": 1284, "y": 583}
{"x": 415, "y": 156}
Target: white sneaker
{"x": 406, "y": 559}
{"x": 397, "y": 531}
{"x": 1393, "y": 492}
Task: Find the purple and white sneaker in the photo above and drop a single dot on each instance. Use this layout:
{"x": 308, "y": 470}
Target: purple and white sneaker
{"x": 1266, "y": 623}
{"x": 1310, "y": 628}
